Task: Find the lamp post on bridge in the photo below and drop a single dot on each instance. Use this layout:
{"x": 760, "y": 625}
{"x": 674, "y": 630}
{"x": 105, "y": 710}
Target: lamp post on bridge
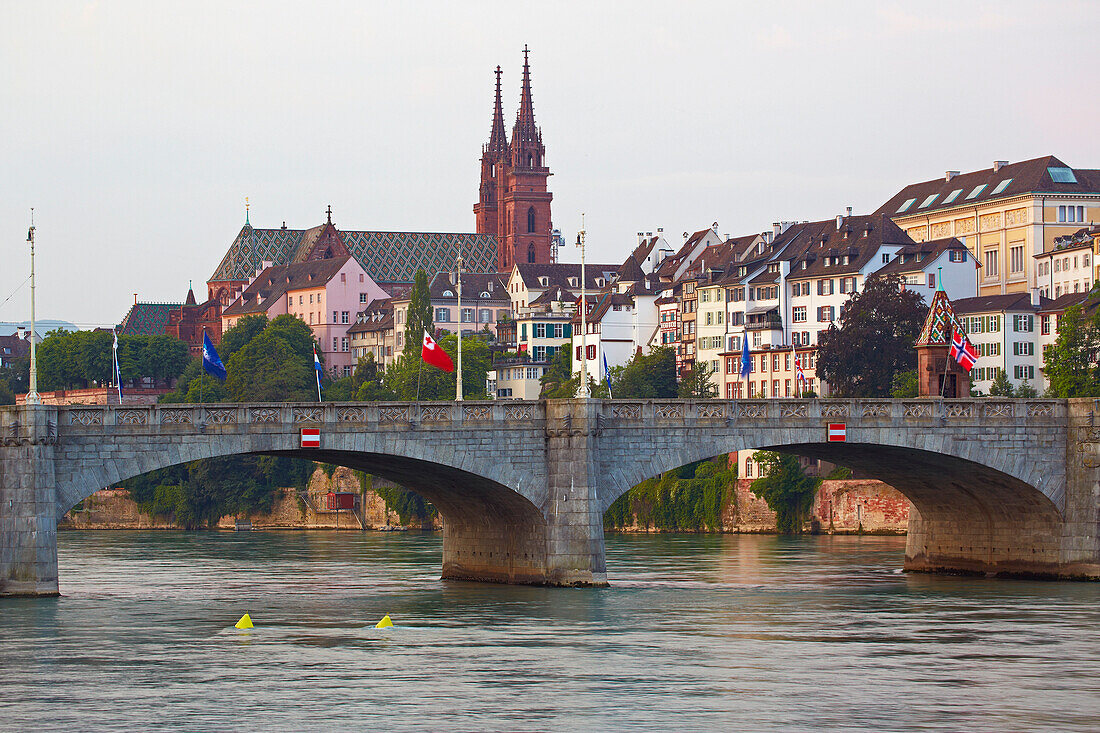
{"x": 32, "y": 392}
{"x": 458, "y": 375}
{"x": 583, "y": 392}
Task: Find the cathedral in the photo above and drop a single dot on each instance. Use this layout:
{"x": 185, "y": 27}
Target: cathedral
{"x": 513, "y": 203}
{"x": 512, "y": 221}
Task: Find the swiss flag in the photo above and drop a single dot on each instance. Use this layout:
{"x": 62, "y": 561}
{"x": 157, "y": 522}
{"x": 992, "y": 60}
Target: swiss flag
{"x": 432, "y": 354}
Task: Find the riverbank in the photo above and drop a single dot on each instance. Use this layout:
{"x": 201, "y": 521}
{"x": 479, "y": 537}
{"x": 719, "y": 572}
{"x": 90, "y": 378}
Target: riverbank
{"x": 847, "y": 506}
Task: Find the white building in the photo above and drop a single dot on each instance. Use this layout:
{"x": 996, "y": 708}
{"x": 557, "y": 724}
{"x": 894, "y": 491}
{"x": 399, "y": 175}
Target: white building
{"x": 1069, "y": 267}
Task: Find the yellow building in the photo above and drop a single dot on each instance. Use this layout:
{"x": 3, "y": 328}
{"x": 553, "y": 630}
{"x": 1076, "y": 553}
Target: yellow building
{"x": 1005, "y": 215}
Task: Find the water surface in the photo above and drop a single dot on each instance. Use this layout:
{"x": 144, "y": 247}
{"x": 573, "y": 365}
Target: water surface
{"x": 696, "y": 633}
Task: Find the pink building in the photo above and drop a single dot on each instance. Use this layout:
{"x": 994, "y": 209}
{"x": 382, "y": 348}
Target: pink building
{"x": 325, "y": 294}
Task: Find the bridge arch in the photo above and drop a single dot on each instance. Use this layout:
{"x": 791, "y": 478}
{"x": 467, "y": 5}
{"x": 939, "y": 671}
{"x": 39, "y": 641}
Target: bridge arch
{"x": 973, "y": 502}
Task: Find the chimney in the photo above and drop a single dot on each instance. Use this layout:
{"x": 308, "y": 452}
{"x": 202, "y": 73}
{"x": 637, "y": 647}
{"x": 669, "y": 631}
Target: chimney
{"x": 490, "y": 286}
{"x": 776, "y": 230}
{"x": 640, "y": 237}
{"x": 135, "y": 298}
{"x": 660, "y": 230}
{"x": 998, "y": 164}
{"x": 20, "y": 332}
{"x": 714, "y": 226}
{"x": 849, "y": 210}
{"x": 1035, "y": 297}
{"x": 839, "y": 222}
{"x": 948, "y": 175}
{"x": 685, "y": 236}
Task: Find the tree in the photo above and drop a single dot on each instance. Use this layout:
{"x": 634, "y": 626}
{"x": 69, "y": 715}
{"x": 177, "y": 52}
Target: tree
{"x": 696, "y": 383}
{"x": 1026, "y": 390}
{"x": 786, "y": 488}
{"x": 556, "y": 382}
{"x": 247, "y": 328}
{"x": 418, "y": 319}
{"x": 7, "y": 397}
{"x": 875, "y": 340}
{"x": 650, "y": 375}
{"x": 1001, "y": 387}
{"x": 1070, "y": 362}
{"x": 408, "y": 376}
{"x": 905, "y": 384}
{"x": 274, "y": 366}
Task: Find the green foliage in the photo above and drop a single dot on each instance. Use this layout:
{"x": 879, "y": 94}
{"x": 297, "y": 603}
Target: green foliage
{"x": 688, "y": 499}
{"x": 1001, "y": 387}
{"x": 1026, "y": 390}
{"x": 247, "y": 328}
{"x": 7, "y": 397}
{"x": 786, "y": 488}
{"x": 400, "y": 380}
{"x": 1070, "y": 363}
{"x": 197, "y": 494}
{"x": 81, "y": 359}
{"x": 418, "y": 319}
{"x": 697, "y": 382}
{"x": 410, "y": 507}
{"x": 874, "y": 341}
{"x": 905, "y": 384}
{"x": 17, "y": 376}
{"x": 839, "y": 473}
{"x": 650, "y": 375}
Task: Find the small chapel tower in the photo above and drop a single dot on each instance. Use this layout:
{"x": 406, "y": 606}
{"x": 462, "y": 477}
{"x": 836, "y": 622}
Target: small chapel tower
{"x": 937, "y": 373}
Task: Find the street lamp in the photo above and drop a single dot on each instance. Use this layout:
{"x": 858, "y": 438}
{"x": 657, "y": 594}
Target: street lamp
{"x": 32, "y": 393}
{"x": 582, "y": 389}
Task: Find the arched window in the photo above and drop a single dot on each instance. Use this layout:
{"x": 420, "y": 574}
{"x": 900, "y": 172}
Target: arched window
{"x": 531, "y": 252}
{"x": 531, "y": 220}
{"x": 530, "y": 160}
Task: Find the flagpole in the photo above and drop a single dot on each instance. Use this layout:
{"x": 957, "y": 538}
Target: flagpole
{"x": 118, "y": 372}
{"x": 202, "y": 368}
{"x": 32, "y": 393}
{"x": 458, "y": 385}
{"x": 582, "y": 388}
{"x": 421, "y": 367}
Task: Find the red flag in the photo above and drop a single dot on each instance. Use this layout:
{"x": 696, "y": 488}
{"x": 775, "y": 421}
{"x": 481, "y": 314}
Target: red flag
{"x": 433, "y": 354}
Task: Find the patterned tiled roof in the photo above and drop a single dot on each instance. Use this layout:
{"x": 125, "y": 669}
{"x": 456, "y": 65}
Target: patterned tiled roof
{"x": 941, "y": 316}
{"x": 386, "y": 256}
{"x": 146, "y": 319}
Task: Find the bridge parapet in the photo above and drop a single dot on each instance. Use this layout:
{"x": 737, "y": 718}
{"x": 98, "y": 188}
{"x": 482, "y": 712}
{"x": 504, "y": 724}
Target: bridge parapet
{"x": 351, "y": 416}
{"x": 852, "y": 411}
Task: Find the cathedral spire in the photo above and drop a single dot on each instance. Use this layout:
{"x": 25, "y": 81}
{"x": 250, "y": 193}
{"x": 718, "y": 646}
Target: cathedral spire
{"x": 526, "y": 140}
{"x": 498, "y": 142}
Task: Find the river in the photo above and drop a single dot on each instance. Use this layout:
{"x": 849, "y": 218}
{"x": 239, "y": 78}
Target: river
{"x": 697, "y": 632}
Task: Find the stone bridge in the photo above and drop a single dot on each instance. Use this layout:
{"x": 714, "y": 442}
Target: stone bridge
{"x": 1006, "y": 487}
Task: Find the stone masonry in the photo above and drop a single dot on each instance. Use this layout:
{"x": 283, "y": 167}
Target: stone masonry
{"x": 998, "y": 486}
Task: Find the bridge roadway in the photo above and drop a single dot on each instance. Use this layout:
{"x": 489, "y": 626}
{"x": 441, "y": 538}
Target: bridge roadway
{"x": 1009, "y": 487}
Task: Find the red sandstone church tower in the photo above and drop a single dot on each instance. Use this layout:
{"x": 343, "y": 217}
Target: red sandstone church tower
{"x": 513, "y": 202}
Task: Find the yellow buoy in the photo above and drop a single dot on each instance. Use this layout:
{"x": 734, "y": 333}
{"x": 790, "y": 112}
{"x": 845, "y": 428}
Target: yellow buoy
{"x": 385, "y": 623}
{"x": 245, "y": 622}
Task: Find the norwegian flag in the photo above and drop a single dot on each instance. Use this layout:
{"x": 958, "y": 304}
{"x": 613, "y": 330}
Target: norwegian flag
{"x": 963, "y": 351}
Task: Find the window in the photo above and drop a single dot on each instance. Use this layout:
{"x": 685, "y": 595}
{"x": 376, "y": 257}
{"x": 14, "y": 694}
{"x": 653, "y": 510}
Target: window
{"x": 311, "y": 298}
{"x": 992, "y": 264}
{"x": 1044, "y": 325}
{"x": 1000, "y": 187}
{"x": 928, "y": 201}
{"x": 825, "y": 314}
{"x": 710, "y": 318}
{"x": 976, "y": 192}
{"x": 467, "y": 315}
{"x": 885, "y": 258}
{"x": 344, "y": 316}
{"x": 540, "y": 353}
{"x": 1023, "y": 323}
{"x": 362, "y": 297}
{"x": 442, "y": 315}
{"x": 347, "y": 371}
{"x": 786, "y": 388}
{"x": 1023, "y": 348}
{"x": 300, "y": 298}
{"x": 1016, "y": 258}
{"x": 956, "y": 255}
{"x": 847, "y": 284}
{"x": 952, "y": 196}
{"x": 592, "y": 351}
{"x": 335, "y": 343}
{"x": 798, "y": 314}
{"x": 344, "y": 343}
{"x": 531, "y": 220}
{"x": 484, "y": 315}
{"x": 775, "y": 362}
{"x": 1025, "y": 372}
{"x": 905, "y": 207}
{"x": 1062, "y": 175}
{"x": 825, "y": 287}
{"x": 806, "y": 339}
{"x": 311, "y": 318}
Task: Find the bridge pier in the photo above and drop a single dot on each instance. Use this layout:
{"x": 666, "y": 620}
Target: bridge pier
{"x": 560, "y": 544}
{"x": 28, "y": 502}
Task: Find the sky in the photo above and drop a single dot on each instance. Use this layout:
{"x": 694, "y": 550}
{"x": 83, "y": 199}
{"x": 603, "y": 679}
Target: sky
{"x": 137, "y": 129}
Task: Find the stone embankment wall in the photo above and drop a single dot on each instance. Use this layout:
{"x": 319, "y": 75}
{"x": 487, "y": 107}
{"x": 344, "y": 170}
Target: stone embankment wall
{"x": 114, "y": 509}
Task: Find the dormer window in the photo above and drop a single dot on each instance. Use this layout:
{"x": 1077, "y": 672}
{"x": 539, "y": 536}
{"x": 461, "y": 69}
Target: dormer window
{"x": 572, "y": 282}
{"x": 448, "y": 294}
{"x": 599, "y": 282}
